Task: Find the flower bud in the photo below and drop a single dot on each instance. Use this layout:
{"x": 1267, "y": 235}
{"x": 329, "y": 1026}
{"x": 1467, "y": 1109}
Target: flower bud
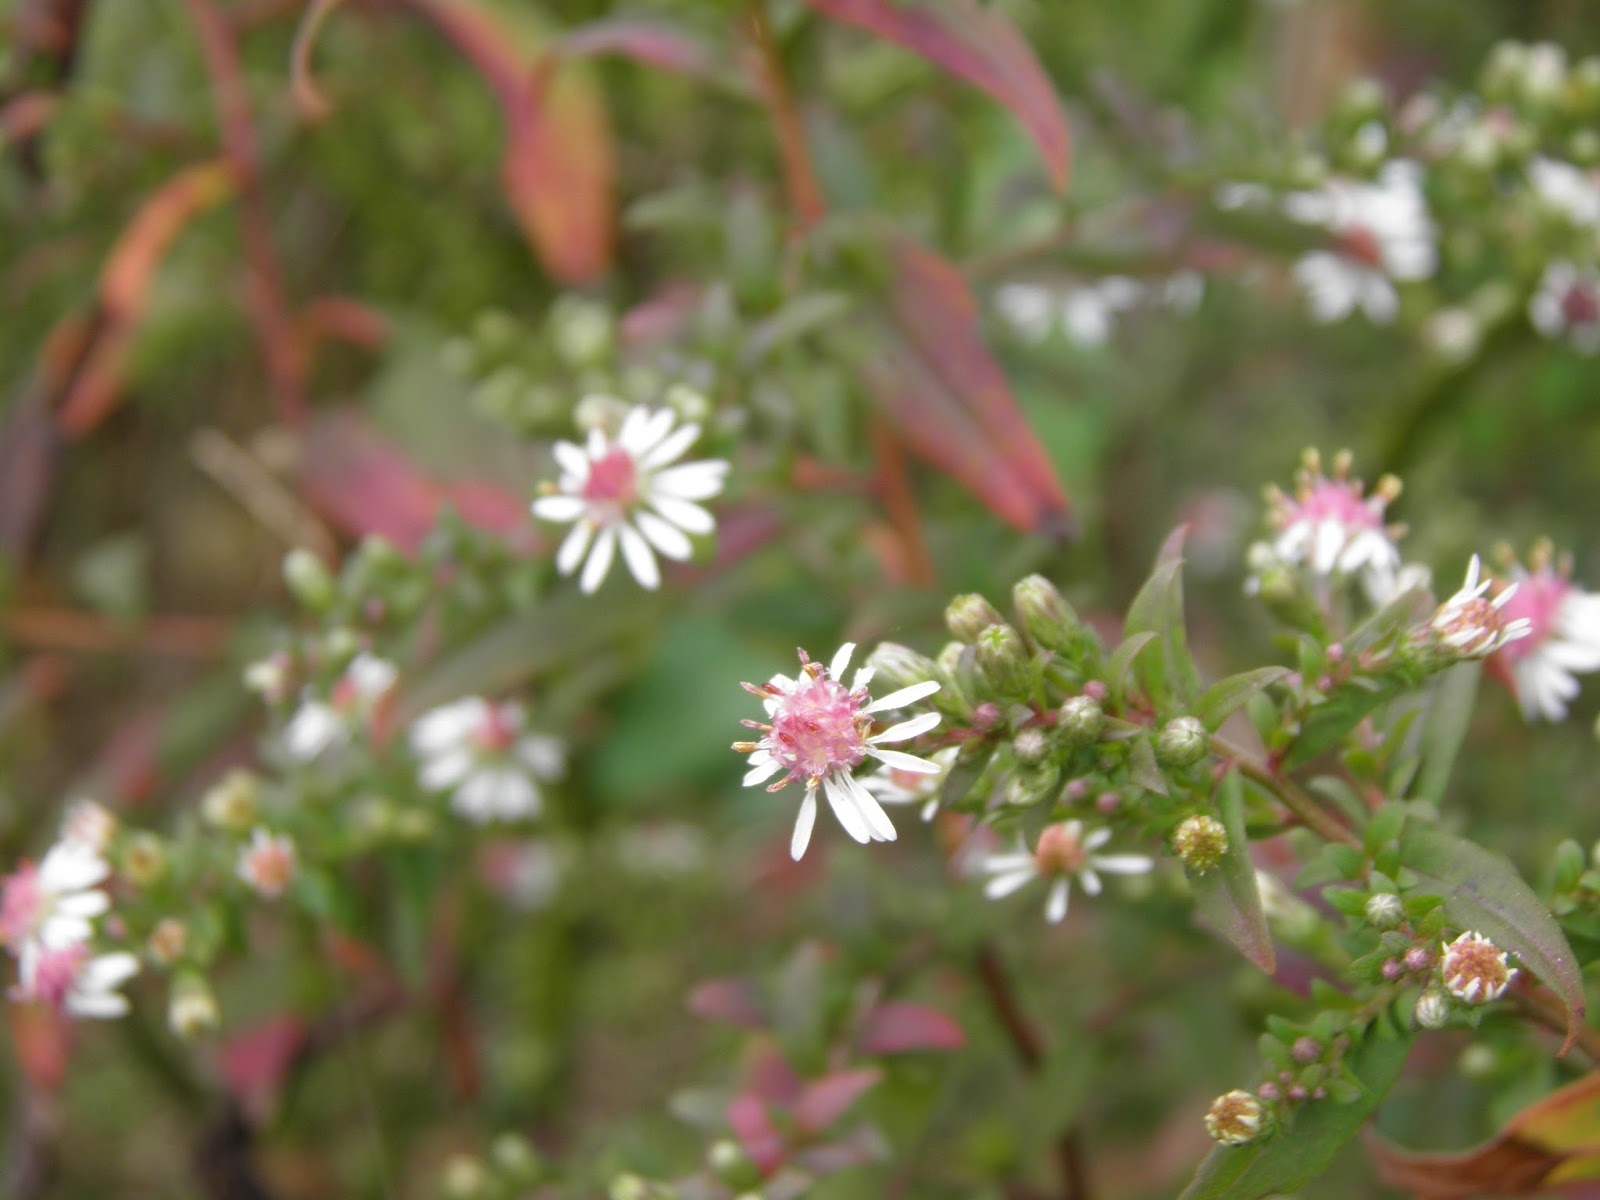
{"x": 1031, "y": 747}
{"x": 1474, "y": 969}
{"x": 1235, "y": 1118}
{"x": 898, "y": 666}
{"x": 969, "y": 615}
{"x": 231, "y": 802}
{"x": 1182, "y": 743}
{"x": 465, "y": 1178}
{"x": 1433, "y": 1009}
{"x": 1048, "y": 620}
{"x": 516, "y": 1161}
{"x": 1033, "y": 785}
{"x": 192, "y": 1009}
{"x": 727, "y": 1160}
{"x": 169, "y": 941}
{"x": 1385, "y": 911}
{"x": 1306, "y": 1050}
{"x": 308, "y": 580}
{"x": 1200, "y": 842}
{"x": 144, "y": 859}
{"x": 1080, "y": 721}
{"x": 1002, "y": 660}
{"x": 689, "y": 403}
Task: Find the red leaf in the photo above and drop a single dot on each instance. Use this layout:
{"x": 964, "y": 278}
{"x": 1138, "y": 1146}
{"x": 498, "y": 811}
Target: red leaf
{"x": 254, "y": 1063}
{"x": 980, "y": 46}
{"x": 824, "y": 1101}
{"x": 747, "y": 1116}
{"x": 733, "y": 1001}
{"x": 895, "y": 1028}
{"x": 653, "y": 43}
{"x": 769, "y": 1075}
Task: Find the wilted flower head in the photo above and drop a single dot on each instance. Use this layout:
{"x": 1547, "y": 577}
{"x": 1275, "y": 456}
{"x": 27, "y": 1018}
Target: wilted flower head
{"x": 1567, "y": 305}
{"x": 55, "y": 901}
{"x": 267, "y": 864}
{"x": 482, "y": 755}
{"x": 1472, "y": 626}
{"x": 1063, "y": 853}
{"x": 624, "y": 493}
{"x": 1563, "y": 638}
{"x": 1475, "y": 969}
{"x": 820, "y": 731}
{"x": 320, "y": 725}
{"x": 1334, "y": 526}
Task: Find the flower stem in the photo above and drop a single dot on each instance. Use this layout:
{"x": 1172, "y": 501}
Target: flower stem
{"x": 1290, "y": 794}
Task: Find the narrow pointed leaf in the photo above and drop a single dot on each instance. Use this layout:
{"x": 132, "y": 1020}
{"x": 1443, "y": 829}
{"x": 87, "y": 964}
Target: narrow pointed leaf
{"x": 1219, "y": 701}
{"x": 1444, "y": 727}
{"x": 1169, "y": 673}
{"x": 1227, "y": 897}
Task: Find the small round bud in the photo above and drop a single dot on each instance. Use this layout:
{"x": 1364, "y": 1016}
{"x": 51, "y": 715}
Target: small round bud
{"x": 1107, "y": 803}
{"x": 516, "y": 1161}
{"x": 1478, "y": 1061}
{"x": 465, "y": 1178}
{"x": 1182, "y": 743}
{"x": 1296, "y": 1092}
{"x": 1033, "y": 785}
{"x": 1268, "y": 1090}
{"x": 144, "y": 859}
{"x": 1080, "y": 721}
{"x": 1002, "y": 659}
{"x": 1385, "y": 911}
{"x": 231, "y": 803}
{"x": 169, "y": 941}
{"x": 1418, "y": 958}
{"x": 1475, "y": 969}
{"x": 1432, "y": 1010}
{"x": 1048, "y": 620}
{"x": 192, "y": 1009}
{"x": 309, "y": 580}
{"x": 727, "y": 1160}
{"x": 1031, "y": 747}
{"x": 1306, "y": 1050}
{"x": 1392, "y": 969}
{"x": 1235, "y": 1118}
{"x": 969, "y": 615}
{"x": 1200, "y": 842}
{"x": 896, "y": 666}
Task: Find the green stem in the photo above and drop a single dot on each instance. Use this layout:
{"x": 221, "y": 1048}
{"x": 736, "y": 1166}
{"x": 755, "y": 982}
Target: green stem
{"x": 1290, "y": 794}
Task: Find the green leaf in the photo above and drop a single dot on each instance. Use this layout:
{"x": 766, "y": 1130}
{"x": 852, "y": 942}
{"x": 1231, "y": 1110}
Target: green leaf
{"x": 1221, "y": 699}
{"x": 803, "y": 315}
{"x": 1346, "y": 706}
{"x": 1158, "y": 608}
{"x": 1444, "y": 729}
{"x": 1482, "y": 891}
{"x": 963, "y": 777}
{"x": 1227, "y": 897}
{"x": 1294, "y": 1155}
{"x": 1121, "y": 660}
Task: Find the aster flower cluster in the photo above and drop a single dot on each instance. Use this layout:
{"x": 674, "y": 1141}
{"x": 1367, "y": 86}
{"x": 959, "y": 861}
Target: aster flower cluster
{"x": 1087, "y": 313}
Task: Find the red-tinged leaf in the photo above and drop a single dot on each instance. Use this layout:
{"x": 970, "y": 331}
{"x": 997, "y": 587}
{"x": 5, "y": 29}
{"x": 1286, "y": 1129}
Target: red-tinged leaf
{"x": 558, "y": 169}
{"x": 733, "y": 1001}
{"x": 896, "y": 1028}
{"x": 42, "y": 1039}
{"x": 751, "y": 1124}
{"x": 767, "y": 1074}
{"x": 255, "y": 1063}
{"x": 308, "y": 98}
{"x": 979, "y": 45}
{"x": 650, "y": 42}
{"x": 859, "y": 1148}
{"x": 1549, "y": 1146}
{"x": 825, "y": 1100}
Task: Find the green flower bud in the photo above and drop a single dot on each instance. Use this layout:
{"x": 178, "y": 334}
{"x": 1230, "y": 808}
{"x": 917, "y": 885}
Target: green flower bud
{"x": 192, "y": 1009}
{"x": 517, "y": 1162}
{"x": 1200, "y": 842}
{"x": 309, "y": 580}
{"x": 1182, "y": 743}
{"x": 896, "y": 666}
{"x": 1080, "y": 721}
{"x": 1028, "y": 786}
{"x": 144, "y": 859}
{"x": 969, "y": 615}
{"x": 1002, "y": 659}
{"x": 1385, "y": 911}
{"x": 231, "y": 803}
{"x": 1433, "y": 1009}
{"x": 1031, "y": 747}
{"x": 1048, "y": 620}
{"x": 727, "y": 1160}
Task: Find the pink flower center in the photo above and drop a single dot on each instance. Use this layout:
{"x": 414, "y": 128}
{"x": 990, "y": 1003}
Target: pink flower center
{"x": 496, "y": 732}
{"x": 613, "y": 483}
{"x": 1538, "y": 598}
{"x": 270, "y": 866}
{"x": 21, "y": 903}
{"x": 818, "y": 728}
{"x": 1334, "y": 500}
{"x": 1059, "y": 852}
{"x": 56, "y": 971}
{"x": 1580, "y": 305}
{"x": 1361, "y": 243}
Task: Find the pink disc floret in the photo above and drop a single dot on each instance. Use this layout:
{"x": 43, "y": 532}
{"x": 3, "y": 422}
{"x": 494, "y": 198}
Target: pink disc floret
{"x": 21, "y": 903}
{"x": 613, "y": 481}
{"x": 1338, "y": 500}
{"x": 1538, "y": 598}
{"x": 56, "y": 972}
{"x": 817, "y": 726}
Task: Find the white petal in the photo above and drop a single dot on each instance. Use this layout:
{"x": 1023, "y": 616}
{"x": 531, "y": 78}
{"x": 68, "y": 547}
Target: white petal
{"x": 545, "y": 757}
{"x": 668, "y": 539}
{"x": 572, "y": 547}
{"x": 671, "y": 448}
{"x": 690, "y": 518}
{"x": 1055, "y": 909}
{"x": 761, "y": 772}
{"x": 867, "y": 804}
{"x": 572, "y": 460}
{"x": 804, "y": 822}
{"x": 1122, "y": 864}
{"x": 594, "y": 571}
{"x": 447, "y": 727}
{"x": 81, "y": 906}
{"x": 311, "y": 731}
{"x": 841, "y": 660}
{"x": 845, "y": 810}
{"x": 691, "y": 481}
{"x": 446, "y": 770}
{"x": 918, "y": 724}
{"x": 901, "y": 761}
{"x": 636, "y": 553}
{"x": 905, "y": 696}
{"x": 108, "y": 971}
{"x": 70, "y": 867}
{"x": 1090, "y": 880}
{"x": 1002, "y": 886}
{"x": 98, "y": 1005}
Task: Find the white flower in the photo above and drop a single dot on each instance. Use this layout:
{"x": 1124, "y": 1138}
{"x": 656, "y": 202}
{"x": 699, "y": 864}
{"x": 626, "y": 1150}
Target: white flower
{"x": 478, "y": 752}
{"x": 71, "y": 979}
{"x": 1334, "y": 526}
{"x": 895, "y": 786}
{"x": 320, "y": 725}
{"x": 1029, "y": 308}
{"x": 56, "y": 901}
{"x": 1472, "y": 626}
{"x": 1063, "y": 853}
{"x": 267, "y": 864}
{"x": 1568, "y": 304}
{"x": 1566, "y": 189}
{"x": 820, "y": 732}
{"x": 1089, "y": 313}
{"x": 1384, "y": 233}
{"x": 1563, "y": 638}
{"x": 625, "y": 494}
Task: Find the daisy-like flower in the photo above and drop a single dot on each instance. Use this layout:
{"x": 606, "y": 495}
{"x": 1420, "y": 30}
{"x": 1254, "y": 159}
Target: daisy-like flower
{"x": 1563, "y": 638}
{"x": 1475, "y": 969}
{"x": 819, "y": 731}
{"x": 895, "y": 785}
{"x": 1569, "y": 190}
{"x": 1472, "y": 626}
{"x": 71, "y": 978}
{"x": 1029, "y": 308}
{"x": 1383, "y": 233}
{"x": 267, "y": 864}
{"x": 320, "y": 725}
{"x": 625, "y": 493}
{"x": 1567, "y": 305}
{"x": 55, "y": 901}
{"x": 1089, "y": 313}
{"x": 1062, "y": 854}
{"x": 480, "y": 753}
{"x": 1334, "y": 526}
